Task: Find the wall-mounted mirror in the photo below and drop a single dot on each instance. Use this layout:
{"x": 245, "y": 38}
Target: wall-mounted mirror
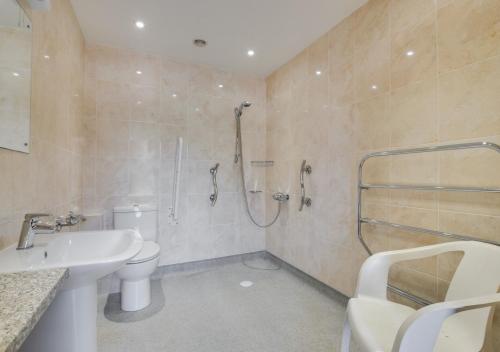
{"x": 15, "y": 76}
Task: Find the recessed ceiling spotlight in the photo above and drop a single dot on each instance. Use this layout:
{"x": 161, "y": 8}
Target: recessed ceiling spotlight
{"x": 139, "y": 24}
{"x": 15, "y": 74}
{"x": 46, "y": 57}
{"x": 410, "y": 53}
{"x": 200, "y": 43}
{"x": 221, "y": 86}
{"x": 318, "y": 73}
{"x": 174, "y": 95}
{"x": 374, "y": 87}
{"x": 250, "y": 52}
{"x": 139, "y": 72}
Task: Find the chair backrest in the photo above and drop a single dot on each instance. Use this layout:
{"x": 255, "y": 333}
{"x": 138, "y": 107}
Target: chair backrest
{"x": 478, "y": 273}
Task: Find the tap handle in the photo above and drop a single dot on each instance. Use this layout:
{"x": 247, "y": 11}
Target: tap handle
{"x": 33, "y": 216}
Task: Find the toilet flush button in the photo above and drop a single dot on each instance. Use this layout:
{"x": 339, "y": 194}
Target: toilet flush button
{"x": 246, "y": 284}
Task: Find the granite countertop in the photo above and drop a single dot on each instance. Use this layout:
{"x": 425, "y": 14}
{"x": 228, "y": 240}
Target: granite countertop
{"x": 24, "y": 297}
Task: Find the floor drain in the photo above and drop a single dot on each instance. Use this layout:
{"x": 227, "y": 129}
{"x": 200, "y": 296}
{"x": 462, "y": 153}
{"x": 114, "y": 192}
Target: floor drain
{"x": 246, "y": 284}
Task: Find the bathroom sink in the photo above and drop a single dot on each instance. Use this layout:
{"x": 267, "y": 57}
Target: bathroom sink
{"x": 88, "y": 255}
{"x": 69, "y": 324}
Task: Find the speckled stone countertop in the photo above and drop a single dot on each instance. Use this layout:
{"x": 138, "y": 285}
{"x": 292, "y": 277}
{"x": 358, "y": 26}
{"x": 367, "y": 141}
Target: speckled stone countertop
{"x": 24, "y": 297}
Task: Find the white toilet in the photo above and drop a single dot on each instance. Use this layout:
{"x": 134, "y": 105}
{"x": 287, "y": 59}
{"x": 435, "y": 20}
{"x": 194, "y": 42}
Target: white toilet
{"x": 135, "y": 282}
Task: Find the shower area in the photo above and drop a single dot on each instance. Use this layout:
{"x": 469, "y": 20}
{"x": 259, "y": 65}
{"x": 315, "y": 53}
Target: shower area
{"x": 132, "y": 125}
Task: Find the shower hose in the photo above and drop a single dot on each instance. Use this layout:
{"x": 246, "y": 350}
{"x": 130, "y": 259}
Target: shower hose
{"x": 243, "y": 184}
{"x": 277, "y": 266}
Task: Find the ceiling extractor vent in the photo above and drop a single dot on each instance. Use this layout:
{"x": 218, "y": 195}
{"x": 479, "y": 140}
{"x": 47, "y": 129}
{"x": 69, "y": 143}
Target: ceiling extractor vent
{"x": 200, "y": 43}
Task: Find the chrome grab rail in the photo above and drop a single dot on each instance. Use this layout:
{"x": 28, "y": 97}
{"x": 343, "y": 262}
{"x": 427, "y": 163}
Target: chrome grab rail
{"x": 439, "y": 148}
{"x": 304, "y": 169}
{"x": 215, "y": 194}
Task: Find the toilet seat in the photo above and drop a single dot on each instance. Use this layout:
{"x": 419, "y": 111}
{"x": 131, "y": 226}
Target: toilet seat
{"x": 150, "y": 250}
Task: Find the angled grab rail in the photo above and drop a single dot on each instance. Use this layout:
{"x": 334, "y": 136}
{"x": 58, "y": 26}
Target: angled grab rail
{"x": 304, "y": 169}
{"x": 215, "y": 194}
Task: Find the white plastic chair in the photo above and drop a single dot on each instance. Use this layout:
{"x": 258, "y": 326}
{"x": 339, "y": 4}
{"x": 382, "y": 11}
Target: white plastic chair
{"x": 455, "y": 325}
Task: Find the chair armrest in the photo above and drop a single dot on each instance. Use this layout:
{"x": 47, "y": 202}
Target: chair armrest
{"x": 373, "y": 276}
{"x": 421, "y": 330}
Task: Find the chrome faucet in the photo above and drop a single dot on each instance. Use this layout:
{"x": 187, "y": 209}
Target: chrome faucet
{"x": 33, "y": 224}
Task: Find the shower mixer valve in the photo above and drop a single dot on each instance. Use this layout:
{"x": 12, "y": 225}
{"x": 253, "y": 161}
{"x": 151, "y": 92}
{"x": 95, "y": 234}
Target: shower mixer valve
{"x": 281, "y": 197}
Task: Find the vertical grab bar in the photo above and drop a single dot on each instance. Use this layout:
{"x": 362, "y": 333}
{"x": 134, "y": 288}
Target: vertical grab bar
{"x": 304, "y": 169}
{"x": 174, "y": 209}
{"x": 215, "y": 194}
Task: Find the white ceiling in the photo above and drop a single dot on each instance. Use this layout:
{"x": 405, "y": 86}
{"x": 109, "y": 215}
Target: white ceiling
{"x": 276, "y": 29}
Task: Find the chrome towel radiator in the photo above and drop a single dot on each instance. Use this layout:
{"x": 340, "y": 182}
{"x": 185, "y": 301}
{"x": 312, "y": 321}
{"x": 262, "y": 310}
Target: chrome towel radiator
{"x": 364, "y": 186}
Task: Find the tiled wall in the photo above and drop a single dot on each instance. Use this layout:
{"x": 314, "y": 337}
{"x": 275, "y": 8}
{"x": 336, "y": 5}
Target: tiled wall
{"x": 49, "y": 178}
{"x": 393, "y": 74}
{"x": 132, "y": 121}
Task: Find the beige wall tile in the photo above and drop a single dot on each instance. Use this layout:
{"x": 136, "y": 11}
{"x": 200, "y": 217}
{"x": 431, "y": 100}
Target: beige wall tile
{"x": 112, "y": 138}
{"x": 318, "y": 97}
{"x": 469, "y": 168}
{"x": 371, "y": 23}
{"x": 341, "y": 42}
{"x": 477, "y": 203}
{"x": 414, "y": 54}
{"x": 447, "y": 265}
{"x": 474, "y": 225}
{"x": 418, "y": 283}
{"x": 468, "y": 101}
{"x": 415, "y": 169}
{"x": 442, "y": 289}
{"x": 341, "y": 84}
{"x": 468, "y": 32}
{"x": 6, "y": 186}
{"x": 372, "y": 123}
{"x": 414, "y": 117}
{"x": 408, "y": 13}
{"x": 372, "y": 67}
{"x": 414, "y": 199}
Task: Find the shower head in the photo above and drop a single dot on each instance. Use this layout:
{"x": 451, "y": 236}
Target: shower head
{"x": 239, "y": 111}
{"x": 245, "y": 104}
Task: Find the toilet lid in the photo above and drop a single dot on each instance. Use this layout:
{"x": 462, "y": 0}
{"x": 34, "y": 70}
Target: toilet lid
{"x": 149, "y": 251}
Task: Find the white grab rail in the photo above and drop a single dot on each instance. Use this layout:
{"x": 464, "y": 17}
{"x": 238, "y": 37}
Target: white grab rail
{"x": 174, "y": 209}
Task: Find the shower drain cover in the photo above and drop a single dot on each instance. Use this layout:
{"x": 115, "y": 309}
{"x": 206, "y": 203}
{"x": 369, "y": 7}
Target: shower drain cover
{"x": 246, "y": 284}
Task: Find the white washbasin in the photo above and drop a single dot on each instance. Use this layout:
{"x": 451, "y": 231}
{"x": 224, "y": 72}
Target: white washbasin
{"x": 88, "y": 255}
{"x": 69, "y": 324}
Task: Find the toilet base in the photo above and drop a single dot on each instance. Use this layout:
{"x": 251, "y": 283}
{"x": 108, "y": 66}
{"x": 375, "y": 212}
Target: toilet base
{"x": 135, "y": 295}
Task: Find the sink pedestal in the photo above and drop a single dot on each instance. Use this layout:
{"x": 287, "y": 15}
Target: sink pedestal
{"x": 69, "y": 324}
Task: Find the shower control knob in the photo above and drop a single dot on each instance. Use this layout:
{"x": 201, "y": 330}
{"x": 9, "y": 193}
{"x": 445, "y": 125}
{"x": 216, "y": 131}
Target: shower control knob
{"x": 308, "y": 202}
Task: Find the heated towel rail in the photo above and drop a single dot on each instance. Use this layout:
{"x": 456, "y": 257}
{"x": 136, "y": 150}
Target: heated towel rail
{"x": 365, "y": 186}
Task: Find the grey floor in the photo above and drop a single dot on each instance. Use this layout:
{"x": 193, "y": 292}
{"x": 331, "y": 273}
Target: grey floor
{"x": 206, "y": 309}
